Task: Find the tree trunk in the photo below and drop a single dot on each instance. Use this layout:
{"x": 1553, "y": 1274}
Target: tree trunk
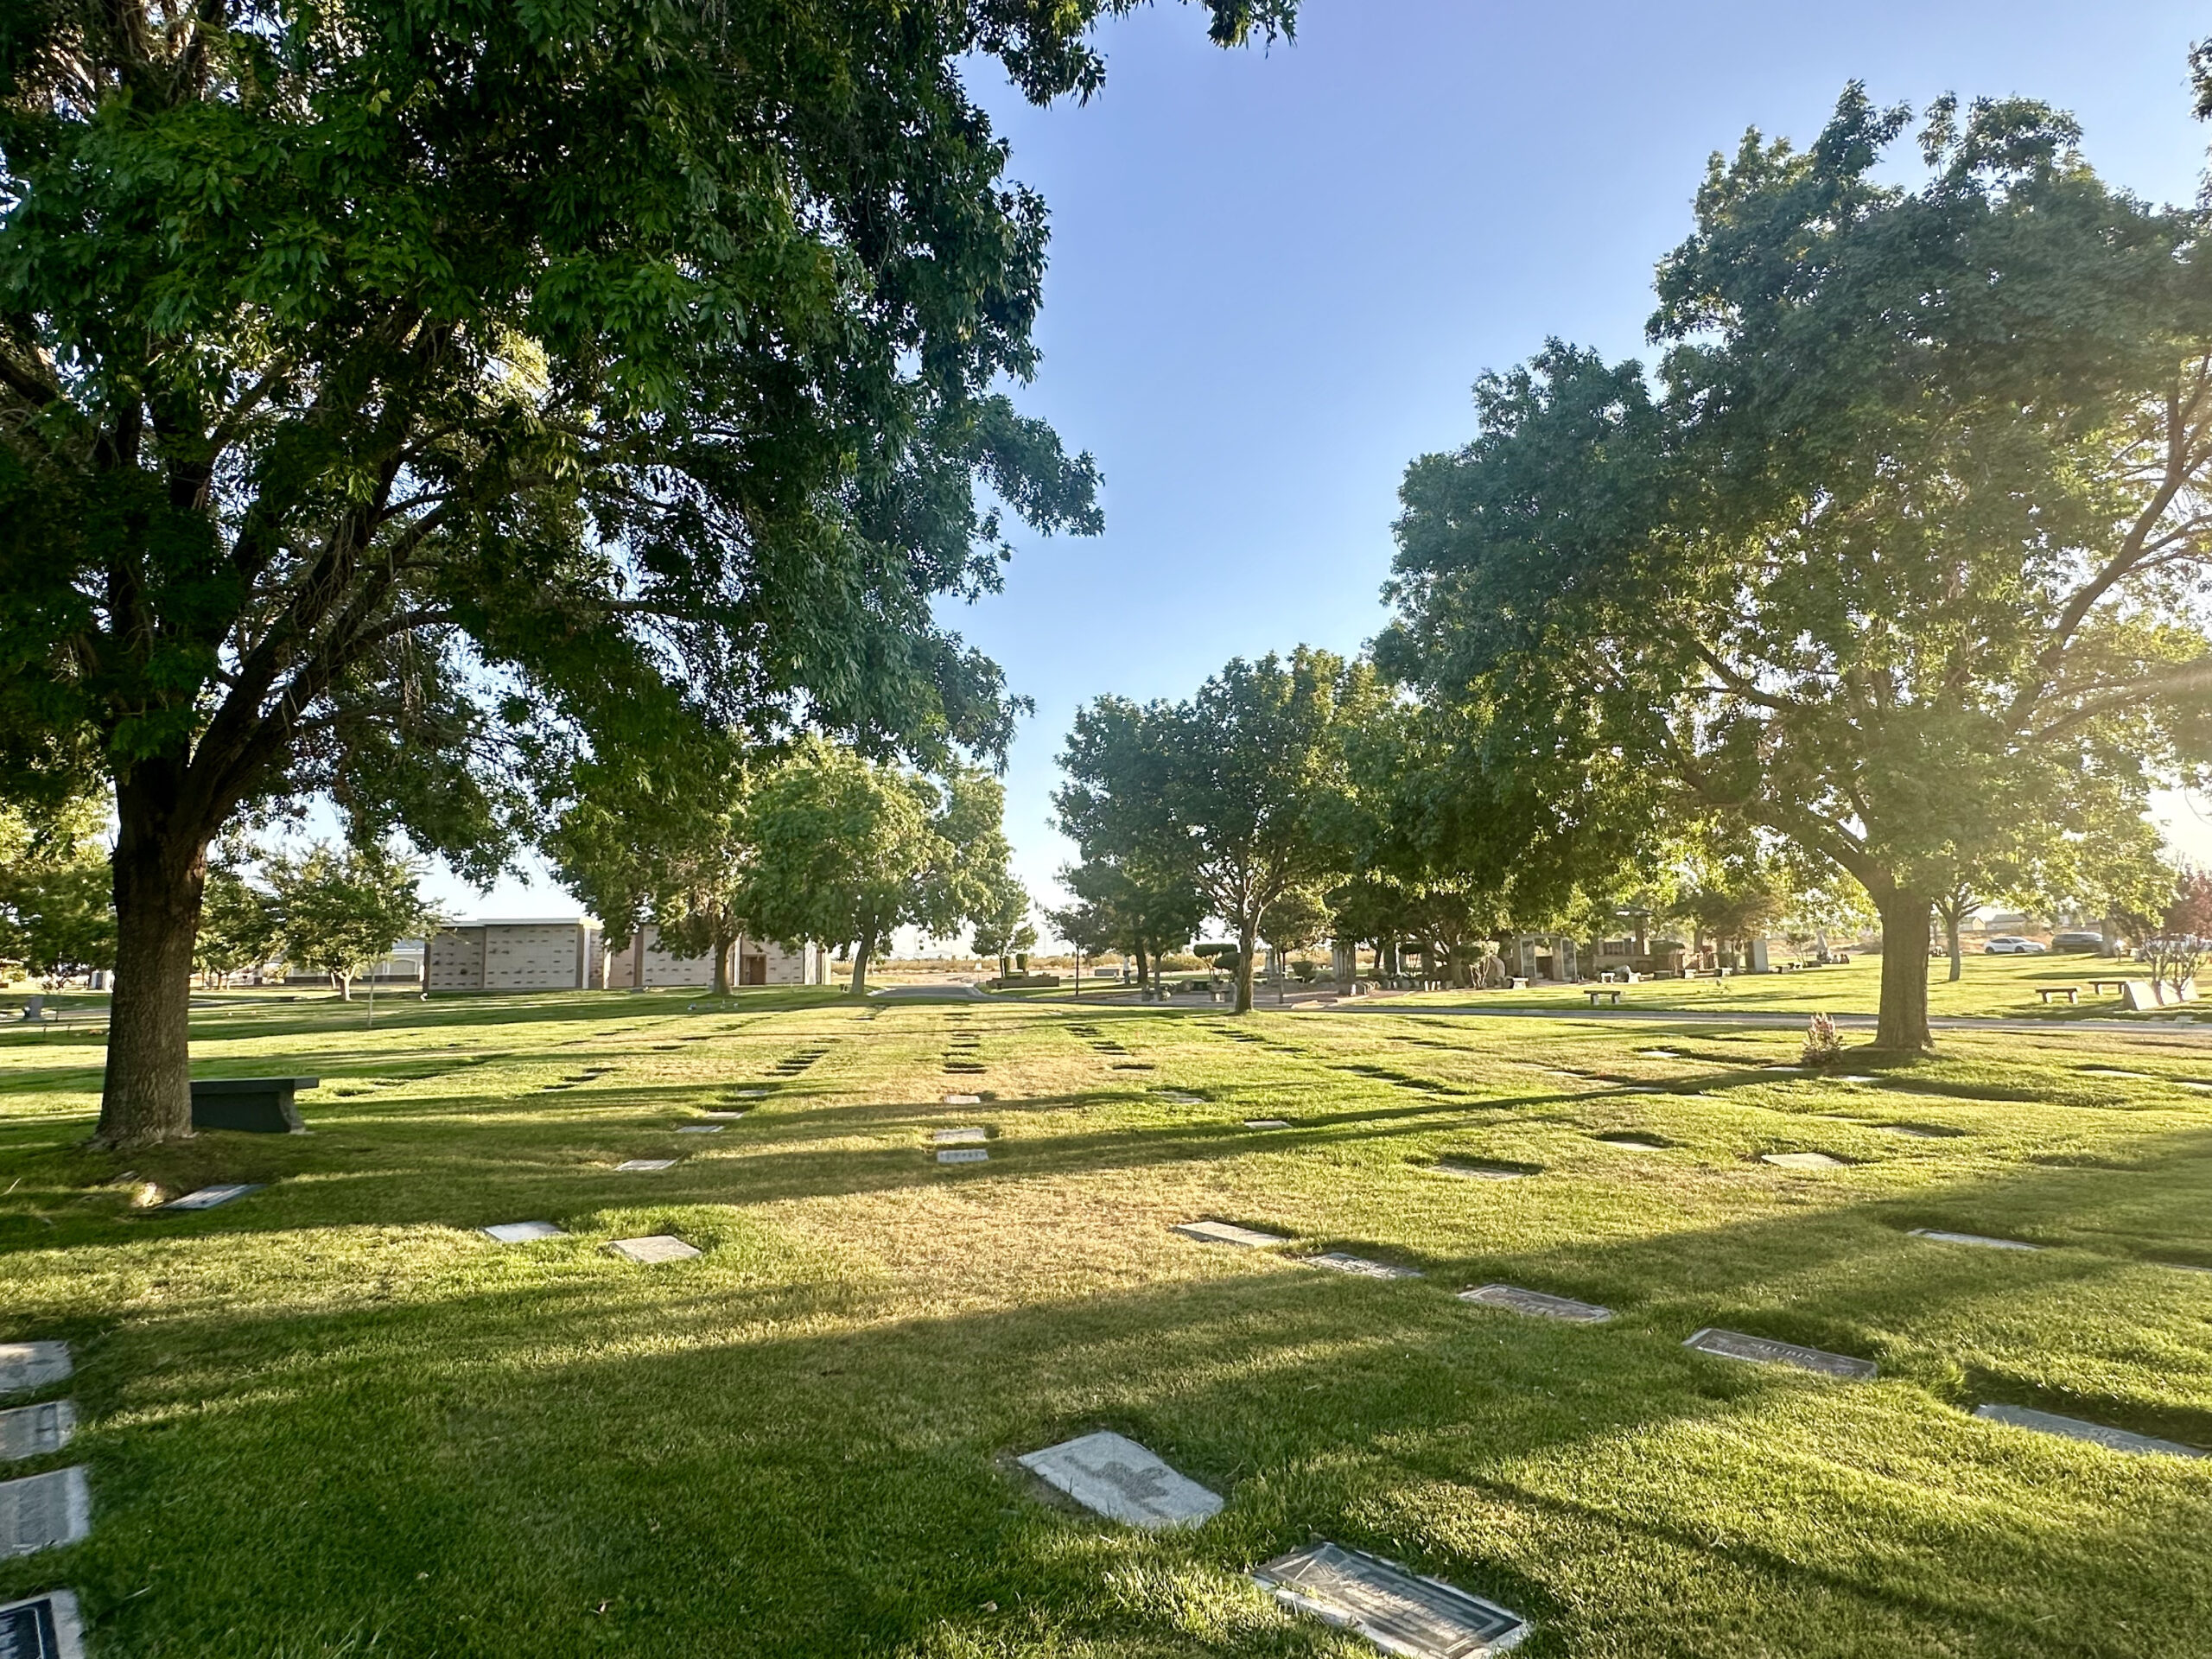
{"x": 147, "y": 1096}
{"x": 342, "y": 982}
{"x": 1951, "y": 938}
{"x": 721, "y": 966}
{"x": 1248, "y": 937}
{"x": 860, "y": 954}
{"x": 1144, "y": 966}
{"x": 1903, "y": 1025}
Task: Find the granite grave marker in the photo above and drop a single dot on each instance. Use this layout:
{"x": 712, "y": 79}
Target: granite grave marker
{"x": 963, "y": 1155}
{"x": 1113, "y": 1476}
{"x": 635, "y": 1166}
{"x": 1765, "y": 1351}
{"x": 1400, "y": 1613}
{"x": 208, "y": 1197}
{"x": 654, "y": 1247}
{"x": 34, "y": 1431}
{"x": 1222, "y": 1232}
{"x": 2074, "y": 1428}
{"x": 43, "y": 1627}
{"x": 25, "y": 1366}
{"x": 1342, "y": 1261}
{"x": 1801, "y": 1161}
{"x": 522, "y": 1232}
{"x": 1516, "y": 1299}
{"x": 1976, "y": 1239}
{"x": 40, "y": 1511}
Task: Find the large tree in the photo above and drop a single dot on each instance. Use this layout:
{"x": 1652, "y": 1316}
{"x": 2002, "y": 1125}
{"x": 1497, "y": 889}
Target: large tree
{"x": 55, "y": 915}
{"x": 383, "y": 386}
{"x": 848, "y": 850}
{"x": 1226, "y": 791}
{"x": 341, "y": 909}
{"x": 1911, "y": 538}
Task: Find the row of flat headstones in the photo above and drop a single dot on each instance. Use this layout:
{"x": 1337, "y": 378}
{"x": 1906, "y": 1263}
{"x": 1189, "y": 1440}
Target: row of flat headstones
{"x": 1724, "y": 1344}
{"x": 40, "y": 1511}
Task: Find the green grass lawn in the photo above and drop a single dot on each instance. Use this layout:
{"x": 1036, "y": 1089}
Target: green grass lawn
{"x": 333, "y": 1418}
{"x": 1990, "y": 985}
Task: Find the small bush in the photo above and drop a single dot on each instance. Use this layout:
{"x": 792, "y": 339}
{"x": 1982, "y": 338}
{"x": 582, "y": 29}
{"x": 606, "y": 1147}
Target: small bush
{"x": 1822, "y": 1045}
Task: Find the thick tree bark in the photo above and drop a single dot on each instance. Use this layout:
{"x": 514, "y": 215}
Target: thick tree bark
{"x": 1902, "y": 1025}
{"x": 159, "y": 876}
{"x": 343, "y": 984}
{"x": 1951, "y": 937}
{"x": 1144, "y": 966}
{"x": 721, "y": 966}
{"x": 1248, "y": 937}
{"x": 865, "y": 948}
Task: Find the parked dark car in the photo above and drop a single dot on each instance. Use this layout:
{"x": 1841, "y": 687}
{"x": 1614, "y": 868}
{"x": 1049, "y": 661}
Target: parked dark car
{"x": 2076, "y": 938}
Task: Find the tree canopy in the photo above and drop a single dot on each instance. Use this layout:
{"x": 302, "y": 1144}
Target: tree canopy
{"x": 1906, "y": 541}
{"x": 398, "y": 399}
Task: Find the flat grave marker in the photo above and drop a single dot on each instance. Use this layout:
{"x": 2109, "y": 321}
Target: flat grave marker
{"x": 1918, "y": 1131}
{"x": 1516, "y": 1299}
{"x": 653, "y": 1249}
{"x": 1222, "y": 1232}
{"x": 1183, "y": 1100}
{"x": 1267, "y": 1122}
{"x": 25, "y": 1366}
{"x": 963, "y": 1100}
{"x": 1765, "y": 1351}
{"x": 40, "y": 1511}
{"x": 1481, "y": 1172}
{"x": 208, "y": 1197}
{"x": 1628, "y": 1143}
{"x": 964, "y": 1155}
{"x": 2074, "y": 1428}
{"x": 1658, "y": 1054}
{"x": 968, "y": 1134}
{"x": 700, "y": 1128}
{"x": 34, "y": 1431}
{"x": 1343, "y": 1262}
{"x": 748, "y": 1094}
{"x": 1857, "y": 1076}
{"x": 1400, "y": 1613}
{"x": 728, "y": 1115}
{"x": 1976, "y": 1239}
{"x": 1111, "y": 1475}
{"x": 43, "y": 1627}
{"x": 640, "y": 1165}
{"x": 522, "y": 1232}
{"x": 1804, "y": 1161}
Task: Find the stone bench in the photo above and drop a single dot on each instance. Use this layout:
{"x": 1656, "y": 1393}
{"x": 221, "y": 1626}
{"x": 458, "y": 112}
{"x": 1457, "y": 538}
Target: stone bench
{"x": 2071, "y": 992}
{"x": 2097, "y": 987}
{"x": 1594, "y": 995}
{"x": 256, "y": 1105}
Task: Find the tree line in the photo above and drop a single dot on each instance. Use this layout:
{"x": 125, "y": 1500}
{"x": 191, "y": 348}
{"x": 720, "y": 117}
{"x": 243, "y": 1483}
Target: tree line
{"x": 1887, "y": 579}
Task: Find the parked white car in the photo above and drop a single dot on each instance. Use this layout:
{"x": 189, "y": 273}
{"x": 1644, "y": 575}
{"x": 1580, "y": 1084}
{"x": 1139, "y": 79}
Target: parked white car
{"x": 2011, "y": 944}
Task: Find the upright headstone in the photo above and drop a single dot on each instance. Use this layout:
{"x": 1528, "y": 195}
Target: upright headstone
{"x": 1515, "y": 1299}
{"x": 2074, "y": 1428}
{"x": 521, "y": 1232}
{"x": 40, "y": 1511}
{"x": 34, "y": 1431}
{"x": 1765, "y": 1351}
{"x": 1400, "y": 1613}
{"x": 43, "y": 1627}
{"x": 25, "y": 1366}
{"x": 1113, "y": 1476}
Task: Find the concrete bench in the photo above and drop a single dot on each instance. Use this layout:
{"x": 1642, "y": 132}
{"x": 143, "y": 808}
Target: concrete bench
{"x": 2071, "y": 992}
{"x": 1594, "y": 995}
{"x": 2097, "y": 986}
{"x": 256, "y": 1105}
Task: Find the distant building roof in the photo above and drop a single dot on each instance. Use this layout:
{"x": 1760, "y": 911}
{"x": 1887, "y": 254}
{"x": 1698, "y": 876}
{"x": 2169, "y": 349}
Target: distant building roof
{"x": 522, "y": 921}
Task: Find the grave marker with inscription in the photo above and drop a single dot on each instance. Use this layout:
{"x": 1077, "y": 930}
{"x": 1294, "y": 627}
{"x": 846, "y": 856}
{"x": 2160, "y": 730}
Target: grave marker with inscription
{"x": 1976, "y": 1239}
{"x": 2074, "y": 1428}
{"x": 1113, "y": 1476}
{"x": 963, "y": 1100}
{"x": 1400, "y": 1613}
{"x": 1346, "y": 1263}
{"x": 964, "y": 1155}
{"x": 26, "y": 1366}
{"x": 208, "y": 1197}
{"x": 34, "y": 1431}
{"x": 43, "y": 1627}
{"x": 1222, "y": 1232}
{"x": 40, "y": 1511}
{"x": 522, "y": 1232}
{"x": 654, "y": 1247}
{"x": 1765, "y": 1351}
{"x": 1516, "y": 1299}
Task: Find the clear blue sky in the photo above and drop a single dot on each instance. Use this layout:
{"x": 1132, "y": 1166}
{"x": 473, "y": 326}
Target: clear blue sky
{"x": 1275, "y": 275}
